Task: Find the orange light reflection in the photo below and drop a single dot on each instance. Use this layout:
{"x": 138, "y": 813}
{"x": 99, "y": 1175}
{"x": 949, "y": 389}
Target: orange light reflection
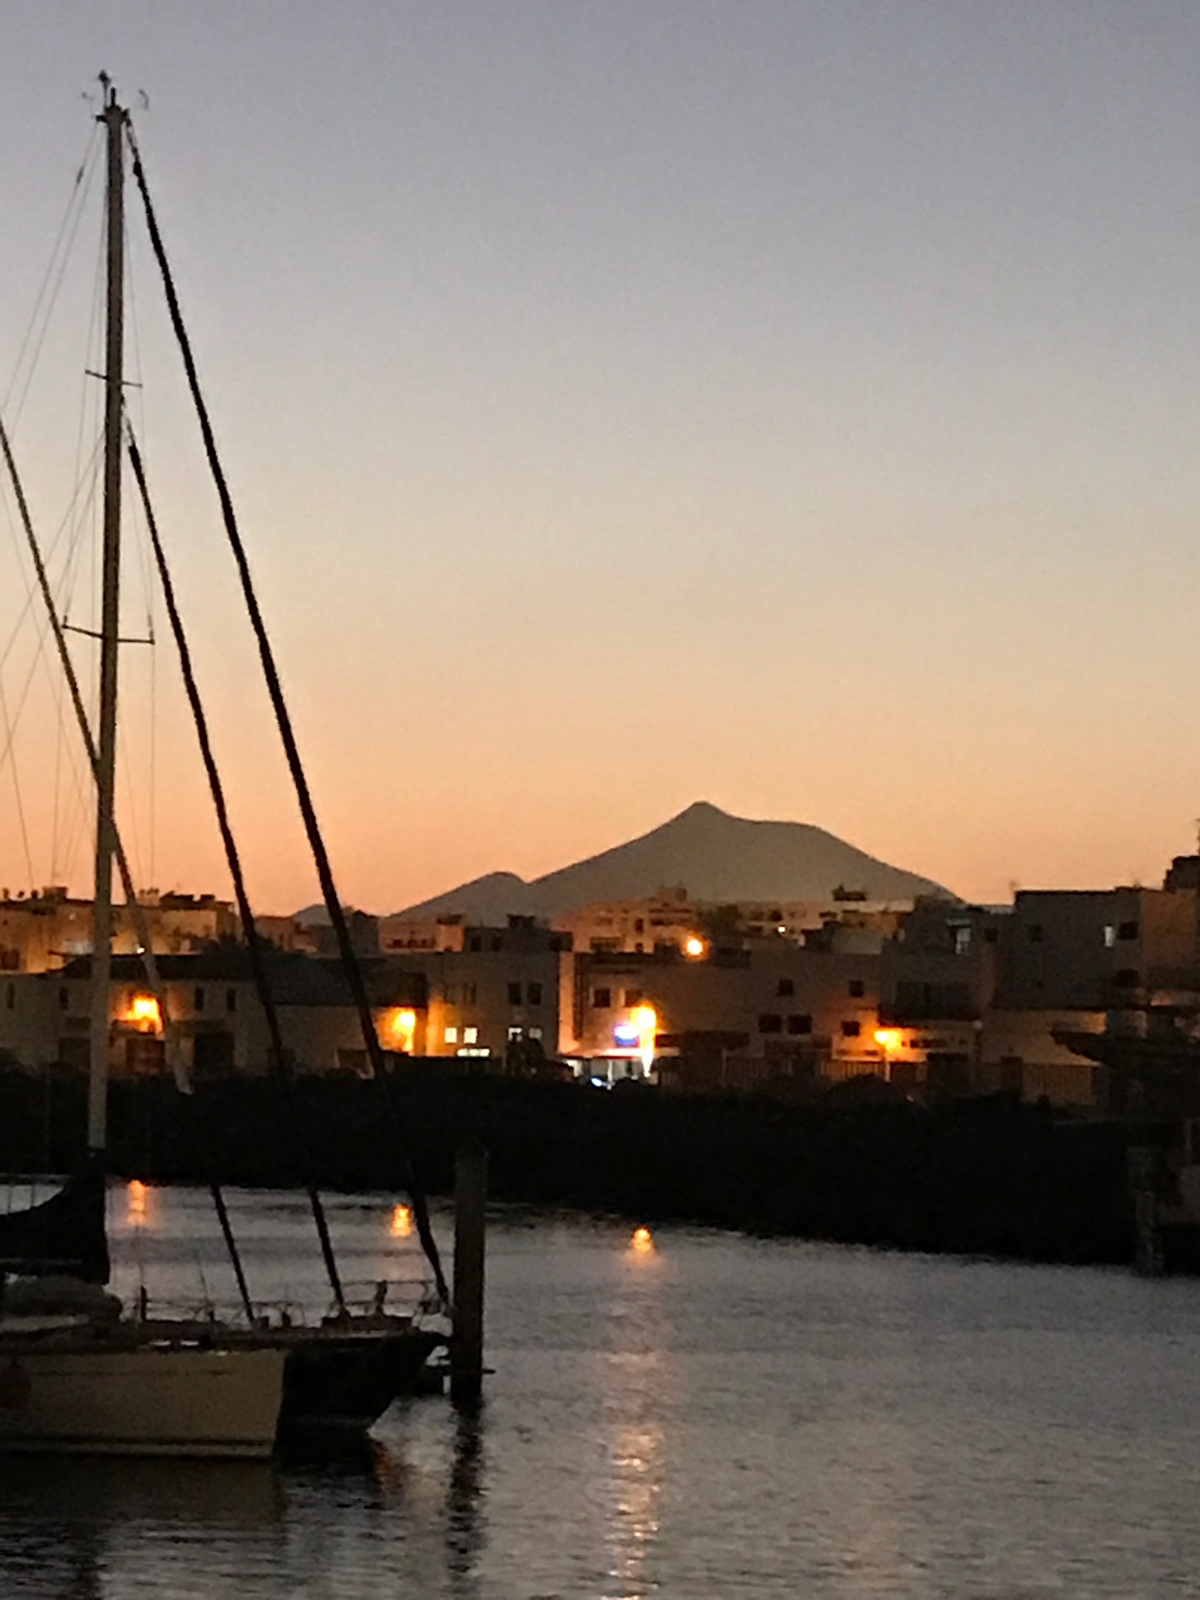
{"x": 138, "y": 1195}
{"x": 402, "y": 1222}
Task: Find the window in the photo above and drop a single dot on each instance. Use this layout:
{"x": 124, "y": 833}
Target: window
{"x": 476, "y": 943}
{"x": 470, "y": 1035}
{"x": 962, "y": 940}
{"x": 602, "y": 999}
{"x": 856, "y": 988}
{"x": 1110, "y": 935}
{"x": 787, "y": 987}
{"x": 633, "y": 997}
{"x": 770, "y": 1024}
{"x": 851, "y": 1030}
{"x": 1035, "y": 933}
{"x": 514, "y": 994}
{"x": 802, "y": 1023}
{"x": 495, "y": 941}
{"x": 231, "y": 999}
{"x": 535, "y": 1033}
{"x": 514, "y": 1034}
{"x": 639, "y": 925}
{"x": 470, "y": 993}
{"x": 198, "y": 1000}
{"x": 1127, "y": 978}
{"x": 533, "y": 993}
{"x": 1127, "y": 930}
{"x": 451, "y": 1035}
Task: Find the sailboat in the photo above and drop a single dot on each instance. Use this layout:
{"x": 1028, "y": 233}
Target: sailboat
{"x": 78, "y": 1372}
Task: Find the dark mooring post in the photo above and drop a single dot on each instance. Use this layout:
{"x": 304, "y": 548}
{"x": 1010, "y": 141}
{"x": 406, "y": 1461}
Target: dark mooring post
{"x": 466, "y": 1346}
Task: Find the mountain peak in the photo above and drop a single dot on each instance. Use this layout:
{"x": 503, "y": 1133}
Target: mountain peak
{"x": 716, "y": 857}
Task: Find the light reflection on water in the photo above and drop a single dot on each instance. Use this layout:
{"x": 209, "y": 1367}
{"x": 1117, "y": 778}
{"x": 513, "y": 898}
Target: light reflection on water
{"x": 716, "y": 1417}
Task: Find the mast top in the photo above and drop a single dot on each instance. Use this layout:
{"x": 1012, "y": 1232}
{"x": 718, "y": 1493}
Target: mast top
{"x": 111, "y": 108}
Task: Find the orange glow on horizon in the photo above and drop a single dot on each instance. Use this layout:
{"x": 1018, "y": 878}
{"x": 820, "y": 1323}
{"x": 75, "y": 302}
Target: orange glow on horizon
{"x": 642, "y": 1242}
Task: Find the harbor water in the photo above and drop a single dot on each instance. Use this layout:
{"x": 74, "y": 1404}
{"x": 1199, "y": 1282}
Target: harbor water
{"x": 691, "y": 1415}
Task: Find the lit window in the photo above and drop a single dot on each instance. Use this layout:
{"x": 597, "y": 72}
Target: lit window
{"x": 514, "y": 1034}
{"x": 535, "y": 1033}
{"x": 451, "y": 1035}
{"x": 1110, "y": 935}
{"x": 470, "y": 1035}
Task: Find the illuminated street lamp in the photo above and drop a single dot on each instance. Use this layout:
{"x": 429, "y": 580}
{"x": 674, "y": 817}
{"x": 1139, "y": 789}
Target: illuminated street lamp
{"x": 889, "y": 1041}
{"x": 401, "y": 1028}
{"x": 645, "y": 1020}
{"x": 694, "y": 947}
{"x": 144, "y": 1014}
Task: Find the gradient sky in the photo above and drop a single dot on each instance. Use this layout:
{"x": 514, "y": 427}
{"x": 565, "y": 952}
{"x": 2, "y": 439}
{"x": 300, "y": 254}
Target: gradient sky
{"x": 792, "y": 405}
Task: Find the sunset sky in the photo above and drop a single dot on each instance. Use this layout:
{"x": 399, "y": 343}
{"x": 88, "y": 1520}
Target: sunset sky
{"x": 791, "y": 405}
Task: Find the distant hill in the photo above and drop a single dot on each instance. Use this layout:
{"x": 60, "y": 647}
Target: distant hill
{"x": 714, "y": 856}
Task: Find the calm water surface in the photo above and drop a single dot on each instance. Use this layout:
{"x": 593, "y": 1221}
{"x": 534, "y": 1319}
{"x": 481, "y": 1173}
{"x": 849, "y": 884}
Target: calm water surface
{"x": 719, "y": 1417}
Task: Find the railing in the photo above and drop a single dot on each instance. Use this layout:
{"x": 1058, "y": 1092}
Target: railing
{"x": 412, "y": 1297}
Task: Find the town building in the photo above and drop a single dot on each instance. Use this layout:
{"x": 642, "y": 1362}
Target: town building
{"x": 497, "y": 992}
{"x": 42, "y": 932}
{"x": 214, "y": 1022}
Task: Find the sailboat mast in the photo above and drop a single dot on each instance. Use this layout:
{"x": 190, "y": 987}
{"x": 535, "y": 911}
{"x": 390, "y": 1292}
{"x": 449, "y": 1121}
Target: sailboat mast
{"x": 114, "y": 118}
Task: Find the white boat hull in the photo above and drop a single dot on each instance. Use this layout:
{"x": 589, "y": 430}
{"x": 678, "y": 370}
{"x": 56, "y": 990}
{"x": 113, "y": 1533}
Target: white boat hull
{"x": 150, "y": 1400}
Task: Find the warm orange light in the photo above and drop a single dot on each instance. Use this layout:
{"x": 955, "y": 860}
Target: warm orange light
{"x": 645, "y": 1020}
{"x": 402, "y": 1222}
{"x": 889, "y": 1039}
{"x": 143, "y": 1012}
{"x": 642, "y": 1241}
{"x": 694, "y": 946}
{"x": 137, "y": 1194}
{"x": 401, "y": 1027}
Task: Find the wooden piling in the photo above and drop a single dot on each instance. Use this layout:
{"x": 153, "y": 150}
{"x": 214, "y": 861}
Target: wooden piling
{"x": 466, "y": 1346}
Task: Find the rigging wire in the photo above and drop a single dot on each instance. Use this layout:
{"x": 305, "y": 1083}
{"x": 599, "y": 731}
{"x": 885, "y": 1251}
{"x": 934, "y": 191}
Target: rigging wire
{"x": 254, "y": 944}
{"x": 76, "y": 201}
{"x": 10, "y": 732}
{"x": 350, "y": 964}
{"x": 147, "y": 572}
